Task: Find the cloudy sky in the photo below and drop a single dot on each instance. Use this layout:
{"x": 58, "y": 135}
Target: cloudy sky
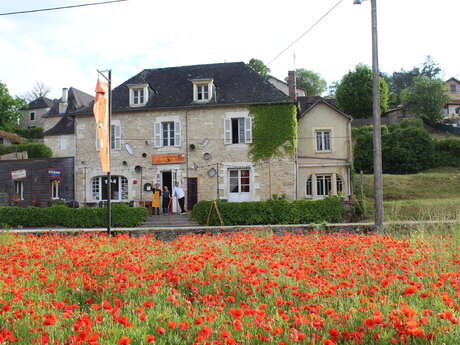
{"x": 64, "y": 48}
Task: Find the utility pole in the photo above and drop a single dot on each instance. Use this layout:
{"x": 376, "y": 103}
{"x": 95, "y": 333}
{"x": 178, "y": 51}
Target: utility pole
{"x": 377, "y": 137}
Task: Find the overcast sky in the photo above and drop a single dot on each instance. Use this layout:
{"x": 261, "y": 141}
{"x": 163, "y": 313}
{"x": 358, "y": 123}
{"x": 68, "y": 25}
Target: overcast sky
{"x": 64, "y": 48}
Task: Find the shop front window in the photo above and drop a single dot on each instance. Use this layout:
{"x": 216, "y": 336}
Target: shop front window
{"x": 119, "y": 188}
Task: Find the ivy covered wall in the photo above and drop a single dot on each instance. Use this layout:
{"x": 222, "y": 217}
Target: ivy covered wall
{"x": 274, "y": 130}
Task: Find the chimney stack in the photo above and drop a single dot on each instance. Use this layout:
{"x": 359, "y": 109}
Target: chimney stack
{"x": 292, "y": 85}
{"x": 64, "y": 100}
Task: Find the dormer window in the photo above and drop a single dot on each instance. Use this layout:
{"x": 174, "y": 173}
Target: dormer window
{"x": 202, "y": 90}
{"x": 138, "y": 95}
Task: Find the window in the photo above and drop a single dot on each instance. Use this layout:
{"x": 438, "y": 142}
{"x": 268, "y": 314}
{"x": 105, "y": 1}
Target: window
{"x": 457, "y": 111}
{"x": 19, "y": 190}
{"x": 138, "y": 95}
{"x": 63, "y": 141}
{"x": 239, "y": 181}
{"x": 115, "y": 135}
{"x": 119, "y": 188}
{"x": 323, "y": 141}
{"x": 32, "y": 115}
{"x": 453, "y": 88}
{"x": 1, "y": 141}
{"x": 54, "y": 189}
{"x": 167, "y": 133}
{"x": 323, "y": 185}
{"x": 203, "y": 92}
{"x": 238, "y": 130}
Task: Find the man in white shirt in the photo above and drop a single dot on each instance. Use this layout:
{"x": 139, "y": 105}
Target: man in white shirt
{"x": 178, "y": 192}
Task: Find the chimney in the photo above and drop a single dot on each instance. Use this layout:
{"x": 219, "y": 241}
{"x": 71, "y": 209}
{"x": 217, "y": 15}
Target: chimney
{"x": 292, "y": 85}
{"x": 64, "y": 100}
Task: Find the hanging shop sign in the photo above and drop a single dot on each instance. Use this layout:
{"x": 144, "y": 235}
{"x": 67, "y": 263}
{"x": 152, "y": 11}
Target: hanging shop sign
{"x": 18, "y": 174}
{"x": 168, "y": 158}
{"x": 55, "y": 173}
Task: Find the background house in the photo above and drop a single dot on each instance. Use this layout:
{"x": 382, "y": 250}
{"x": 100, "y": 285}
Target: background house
{"x": 452, "y": 108}
{"x": 32, "y": 115}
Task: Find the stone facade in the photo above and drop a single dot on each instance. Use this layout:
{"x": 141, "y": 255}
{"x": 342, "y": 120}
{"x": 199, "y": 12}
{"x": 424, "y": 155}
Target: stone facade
{"x": 330, "y": 165}
{"x": 205, "y": 157}
{"x": 38, "y": 119}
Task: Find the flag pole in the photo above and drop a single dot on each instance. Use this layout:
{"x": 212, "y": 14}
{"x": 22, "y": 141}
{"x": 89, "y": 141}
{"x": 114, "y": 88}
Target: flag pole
{"x": 109, "y": 178}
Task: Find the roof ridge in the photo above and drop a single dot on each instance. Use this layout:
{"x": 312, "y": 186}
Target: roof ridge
{"x": 196, "y": 66}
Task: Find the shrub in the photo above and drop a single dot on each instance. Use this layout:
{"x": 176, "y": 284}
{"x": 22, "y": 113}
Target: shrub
{"x": 272, "y": 212}
{"x": 34, "y": 150}
{"x": 60, "y": 215}
{"x": 30, "y": 133}
{"x": 447, "y": 153}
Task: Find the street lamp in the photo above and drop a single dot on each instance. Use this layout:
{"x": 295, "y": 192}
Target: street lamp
{"x": 377, "y": 138}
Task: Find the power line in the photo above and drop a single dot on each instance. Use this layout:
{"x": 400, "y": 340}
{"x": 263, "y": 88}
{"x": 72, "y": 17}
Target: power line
{"x": 60, "y": 8}
{"x": 306, "y": 32}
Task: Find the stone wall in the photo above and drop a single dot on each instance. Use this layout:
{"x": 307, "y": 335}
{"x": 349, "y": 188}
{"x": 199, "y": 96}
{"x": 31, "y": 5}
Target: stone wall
{"x": 39, "y": 121}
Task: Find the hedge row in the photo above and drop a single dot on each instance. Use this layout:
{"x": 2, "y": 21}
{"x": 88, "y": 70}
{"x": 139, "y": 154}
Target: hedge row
{"x": 34, "y": 150}
{"x": 63, "y": 216}
{"x": 272, "y": 212}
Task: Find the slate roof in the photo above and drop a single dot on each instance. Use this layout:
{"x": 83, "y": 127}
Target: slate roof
{"x": 454, "y": 79}
{"x": 305, "y": 104}
{"x": 66, "y": 125}
{"x": 77, "y": 100}
{"x": 40, "y": 102}
{"x": 235, "y": 84}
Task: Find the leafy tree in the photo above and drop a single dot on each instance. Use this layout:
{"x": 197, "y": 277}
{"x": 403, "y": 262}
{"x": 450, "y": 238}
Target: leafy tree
{"x": 9, "y": 108}
{"x": 426, "y": 98}
{"x": 309, "y": 81}
{"x": 354, "y": 93}
{"x": 258, "y": 66}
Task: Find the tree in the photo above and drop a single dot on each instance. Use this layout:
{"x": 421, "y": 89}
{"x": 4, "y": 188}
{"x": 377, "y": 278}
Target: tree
{"x": 426, "y": 98}
{"x": 258, "y": 66}
{"x": 40, "y": 89}
{"x": 354, "y": 93}
{"x": 309, "y": 81}
{"x": 10, "y": 113}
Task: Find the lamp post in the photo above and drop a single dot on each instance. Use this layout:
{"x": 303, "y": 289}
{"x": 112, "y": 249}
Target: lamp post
{"x": 377, "y": 138}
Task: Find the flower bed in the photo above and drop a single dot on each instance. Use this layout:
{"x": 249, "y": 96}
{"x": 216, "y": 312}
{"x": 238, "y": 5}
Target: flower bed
{"x": 247, "y": 288}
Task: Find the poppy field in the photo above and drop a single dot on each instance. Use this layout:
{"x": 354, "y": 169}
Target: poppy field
{"x": 245, "y": 288}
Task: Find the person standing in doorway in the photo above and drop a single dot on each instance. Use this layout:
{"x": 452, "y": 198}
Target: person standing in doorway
{"x": 156, "y": 199}
{"x": 178, "y": 192}
{"x": 166, "y": 200}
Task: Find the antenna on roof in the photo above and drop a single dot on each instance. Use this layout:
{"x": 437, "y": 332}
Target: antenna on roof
{"x": 293, "y": 59}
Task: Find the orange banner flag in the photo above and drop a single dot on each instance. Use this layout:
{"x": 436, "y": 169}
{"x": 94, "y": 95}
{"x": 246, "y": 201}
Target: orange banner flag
{"x": 101, "y": 114}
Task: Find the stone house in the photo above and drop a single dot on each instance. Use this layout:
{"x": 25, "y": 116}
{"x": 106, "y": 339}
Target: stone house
{"x": 193, "y": 125}
{"x": 452, "y": 108}
{"x": 32, "y": 115}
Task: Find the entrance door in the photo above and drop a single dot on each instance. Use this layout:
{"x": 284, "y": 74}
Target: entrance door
{"x": 168, "y": 178}
{"x": 239, "y": 183}
{"x": 192, "y": 192}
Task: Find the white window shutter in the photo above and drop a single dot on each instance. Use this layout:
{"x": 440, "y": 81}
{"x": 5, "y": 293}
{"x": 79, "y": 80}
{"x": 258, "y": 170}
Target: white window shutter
{"x": 177, "y": 136}
{"x": 248, "y": 129}
{"x": 157, "y": 135}
{"x": 118, "y": 136}
{"x": 97, "y": 140}
{"x": 227, "y": 131}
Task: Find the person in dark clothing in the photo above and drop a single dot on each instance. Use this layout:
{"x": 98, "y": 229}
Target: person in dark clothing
{"x": 166, "y": 199}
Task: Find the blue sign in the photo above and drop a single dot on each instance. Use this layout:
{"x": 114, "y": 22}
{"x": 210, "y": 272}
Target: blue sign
{"x": 55, "y": 173}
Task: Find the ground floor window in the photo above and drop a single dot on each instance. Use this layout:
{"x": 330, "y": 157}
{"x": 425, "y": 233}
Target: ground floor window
{"x": 19, "y": 190}
{"x": 323, "y": 185}
{"x": 54, "y": 189}
{"x": 119, "y": 188}
{"x": 239, "y": 181}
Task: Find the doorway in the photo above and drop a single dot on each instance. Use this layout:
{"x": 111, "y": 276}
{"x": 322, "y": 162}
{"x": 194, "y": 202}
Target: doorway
{"x": 168, "y": 179}
{"x": 192, "y": 192}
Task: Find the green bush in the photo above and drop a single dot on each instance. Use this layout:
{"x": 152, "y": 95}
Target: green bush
{"x": 447, "y": 153}
{"x": 59, "y": 215}
{"x": 272, "y": 212}
{"x": 30, "y": 133}
{"x": 34, "y": 150}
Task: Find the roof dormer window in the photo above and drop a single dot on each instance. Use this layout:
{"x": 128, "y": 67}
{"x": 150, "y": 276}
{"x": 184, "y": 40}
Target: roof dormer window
{"x": 202, "y": 90}
{"x": 138, "y": 95}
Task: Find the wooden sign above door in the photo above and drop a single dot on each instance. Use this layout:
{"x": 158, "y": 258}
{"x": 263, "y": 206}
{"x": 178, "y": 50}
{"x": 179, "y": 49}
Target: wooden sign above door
{"x": 168, "y": 158}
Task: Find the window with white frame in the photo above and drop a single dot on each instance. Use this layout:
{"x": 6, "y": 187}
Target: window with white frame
{"x": 19, "y": 189}
{"x": 323, "y": 185}
{"x": 54, "y": 189}
{"x": 63, "y": 142}
{"x": 119, "y": 188}
{"x": 238, "y": 130}
{"x": 239, "y": 180}
{"x": 32, "y": 115}
{"x": 138, "y": 95}
{"x": 115, "y": 135}
{"x": 202, "y": 90}
{"x": 323, "y": 140}
{"x": 167, "y": 133}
